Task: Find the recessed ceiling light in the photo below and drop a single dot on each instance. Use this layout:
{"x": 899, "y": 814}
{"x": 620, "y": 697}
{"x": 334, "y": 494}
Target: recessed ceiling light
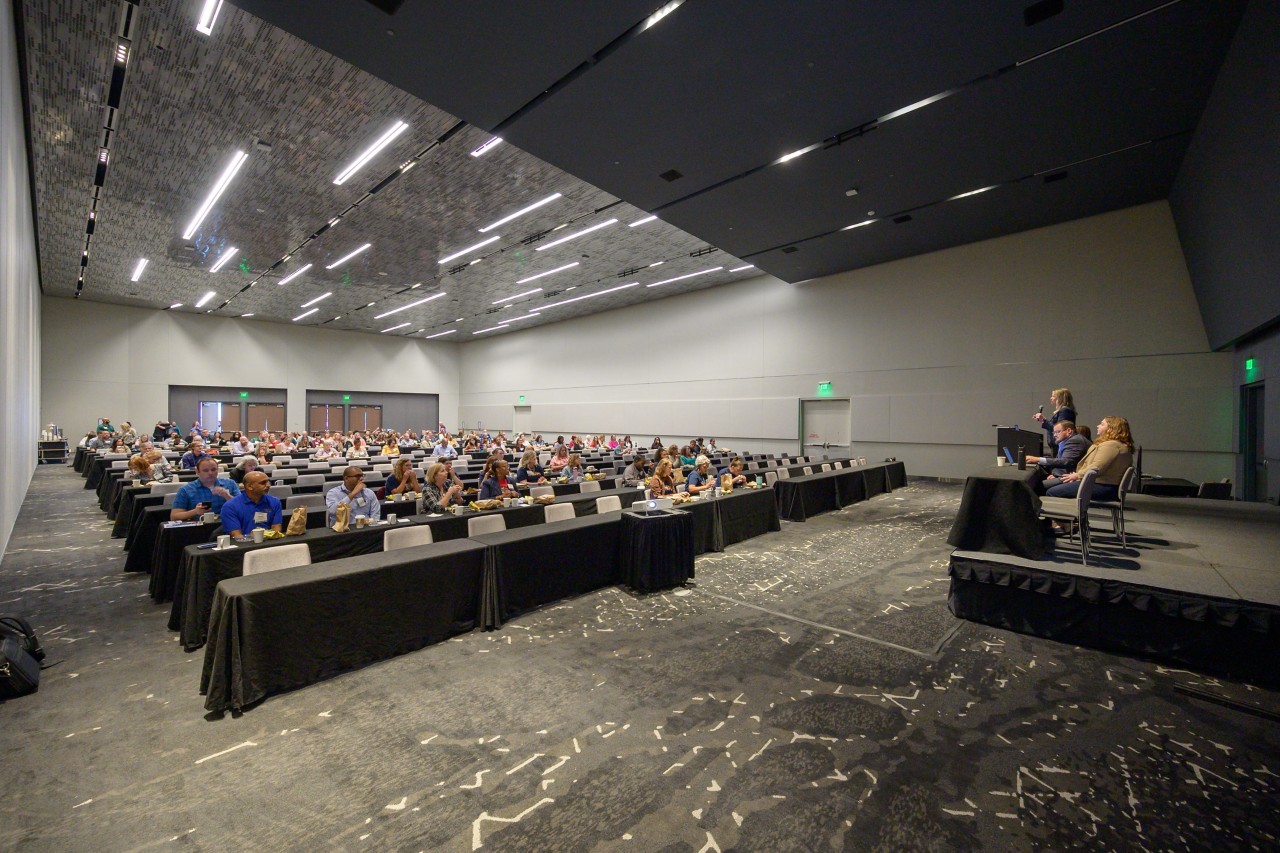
{"x": 226, "y": 256}
{"x": 137, "y": 271}
{"x": 469, "y": 249}
{"x": 291, "y": 276}
{"x": 746, "y": 267}
{"x": 521, "y": 212}
{"x": 486, "y": 147}
{"x": 306, "y": 314}
{"x": 440, "y": 334}
{"x": 393, "y": 328}
{"x": 346, "y": 258}
{"x": 517, "y": 296}
{"x": 641, "y": 221}
{"x": 208, "y": 16}
{"x": 683, "y": 277}
{"x": 577, "y": 234}
{"x": 857, "y": 225}
{"x": 228, "y": 174}
{"x": 317, "y": 299}
{"x": 369, "y": 153}
{"x": 206, "y": 298}
{"x": 585, "y": 296}
{"x": 547, "y": 273}
{"x": 407, "y": 307}
{"x": 972, "y": 192}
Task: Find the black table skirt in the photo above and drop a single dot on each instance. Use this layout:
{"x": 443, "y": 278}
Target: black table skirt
{"x": 289, "y": 628}
{"x": 999, "y": 514}
{"x": 1170, "y": 487}
{"x": 81, "y": 459}
{"x": 807, "y": 495}
{"x": 656, "y": 549}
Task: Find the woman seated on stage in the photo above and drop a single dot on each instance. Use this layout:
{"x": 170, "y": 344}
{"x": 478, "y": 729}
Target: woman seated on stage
{"x": 402, "y": 479}
{"x": 1111, "y": 454}
{"x": 662, "y": 483}
{"x": 561, "y": 459}
{"x": 530, "y": 472}
{"x": 438, "y": 493}
{"x": 496, "y": 485}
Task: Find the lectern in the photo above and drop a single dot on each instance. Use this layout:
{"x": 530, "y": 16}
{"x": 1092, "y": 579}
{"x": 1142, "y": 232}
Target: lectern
{"x": 1010, "y": 437}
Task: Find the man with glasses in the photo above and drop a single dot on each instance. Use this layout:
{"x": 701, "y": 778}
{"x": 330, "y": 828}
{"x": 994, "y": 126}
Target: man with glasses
{"x": 356, "y": 495}
{"x": 1071, "y": 448}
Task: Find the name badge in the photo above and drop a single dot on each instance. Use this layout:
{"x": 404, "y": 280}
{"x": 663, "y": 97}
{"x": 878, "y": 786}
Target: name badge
{"x": 360, "y": 502}
{"x": 259, "y": 518}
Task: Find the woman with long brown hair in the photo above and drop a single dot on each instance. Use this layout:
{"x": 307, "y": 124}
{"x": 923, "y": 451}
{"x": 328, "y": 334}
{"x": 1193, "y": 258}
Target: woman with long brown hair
{"x": 1111, "y": 454}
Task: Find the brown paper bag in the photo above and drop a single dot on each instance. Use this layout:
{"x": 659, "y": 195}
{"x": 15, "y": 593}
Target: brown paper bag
{"x": 342, "y": 518}
{"x": 726, "y": 483}
{"x": 297, "y": 522}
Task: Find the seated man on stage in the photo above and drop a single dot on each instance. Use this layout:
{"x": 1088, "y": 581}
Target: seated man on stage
{"x": 356, "y": 495}
{"x": 735, "y": 470}
{"x": 207, "y": 493}
{"x": 1071, "y": 448}
{"x": 1111, "y": 454}
{"x": 252, "y": 508}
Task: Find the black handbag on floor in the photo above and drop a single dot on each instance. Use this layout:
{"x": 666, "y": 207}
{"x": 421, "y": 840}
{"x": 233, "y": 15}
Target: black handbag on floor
{"x": 20, "y": 656}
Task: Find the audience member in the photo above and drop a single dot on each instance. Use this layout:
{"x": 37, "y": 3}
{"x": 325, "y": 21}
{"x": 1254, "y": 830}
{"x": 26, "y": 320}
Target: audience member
{"x": 530, "y": 472}
{"x": 637, "y": 472}
{"x": 355, "y": 494}
{"x": 128, "y": 434}
{"x": 734, "y": 470}
{"x": 402, "y": 479}
{"x": 207, "y": 493}
{"x": 661, "y": 483}
{"x": 496, "y": 484}
{"x": 252, "y": 508}
{"x": 702, "y": 478}
{"x": 243, "y": 466}
{"x": 438, "y": 493}
{"x": 194, "y": 455}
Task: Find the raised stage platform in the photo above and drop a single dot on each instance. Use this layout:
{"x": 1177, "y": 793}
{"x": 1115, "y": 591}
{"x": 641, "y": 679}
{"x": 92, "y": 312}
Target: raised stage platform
{"x": 1198, "y": 586}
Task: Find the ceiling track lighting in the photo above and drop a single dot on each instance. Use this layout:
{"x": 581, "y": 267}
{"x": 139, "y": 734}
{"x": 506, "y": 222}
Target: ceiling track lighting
{"x": 469, "y": 249}
{"x": 137, "y": 271}
{"x": 291, "y": 276}
{"x": 205, "y": 299}
{"x": 372, "y": 151}
{"x": 407, "y": 307}
{"x": 228, "y": 174}
{"x": 486, "y": 147}
{"x": 227, "y": 255}
{"x": 683, "y": 277}
{"x": 307, "y": 314}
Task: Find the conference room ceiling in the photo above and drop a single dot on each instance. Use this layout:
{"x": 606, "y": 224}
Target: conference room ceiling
{"x": 1052, "y": 111}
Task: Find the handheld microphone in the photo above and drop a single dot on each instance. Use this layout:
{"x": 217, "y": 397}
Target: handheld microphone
{"x": 1041, "y": 410}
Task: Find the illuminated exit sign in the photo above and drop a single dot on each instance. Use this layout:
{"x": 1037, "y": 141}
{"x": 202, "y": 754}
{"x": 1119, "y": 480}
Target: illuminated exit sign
{"x": 824, "y": 389}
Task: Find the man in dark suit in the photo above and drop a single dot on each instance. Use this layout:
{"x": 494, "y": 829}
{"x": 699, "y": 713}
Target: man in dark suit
{"x": 1071, "y": 448}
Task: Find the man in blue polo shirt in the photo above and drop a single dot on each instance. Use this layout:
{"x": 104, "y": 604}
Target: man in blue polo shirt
{"x": 194, "y": 455}
{"x": 252, "y": 508}
{"x": 207, "y": 493}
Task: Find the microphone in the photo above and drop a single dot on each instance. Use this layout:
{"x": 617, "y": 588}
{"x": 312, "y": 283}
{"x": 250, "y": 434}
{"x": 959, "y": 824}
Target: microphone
{"x": 1041, "y": 409}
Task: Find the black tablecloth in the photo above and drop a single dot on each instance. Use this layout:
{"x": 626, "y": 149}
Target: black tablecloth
{"x": 999, "y": 514}
{"x": 731, "y": 518}
{"x": 285, "y": 629}
{"x": 1170, "y": 487}
{"x": 529, "y": 567}
{"x": 656, "y": 549}
{"x": 83, "y": 454}
{"x": 806, "y": 495}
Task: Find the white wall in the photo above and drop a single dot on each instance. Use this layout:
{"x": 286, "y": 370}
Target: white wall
{"x": 19, "y": 294}
{"x": 932, "y": 351}
{"x": 118, "y": 361}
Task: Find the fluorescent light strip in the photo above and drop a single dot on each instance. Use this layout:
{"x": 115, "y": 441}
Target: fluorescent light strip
{"x": 317, "y": 299}
{"x": 250, "y": 314}
{"x": 857, "y": 225}
{"x": 137, "y": 271}
{"x": 641, "y": 221}
{"x": 393, "y": 328}
{"x": 369, "y": 153}
{"x": 547, "y": 273}
{"x": 228, "y": 174}
{"x": 176, "y": 305}
{"x": 740, "y": 269}
{"x": 577, "y": 234}
{"x": 516, "y": 319}
{"x": 307, "y": 314}
{"x": 439, "y": 334}
{"x": 660, "y": 14}
{"x": 521, "y": 212}
{"x": 588, "y": 296}
{"x": 470, "y": 249}
{"x": 222, "y": 261}
{"x": 683, "y": 277}
{"x": 517, "y": 296}
{"x": 490, "y": 329}
{"x": 410, "y": 305}
{"x": 486, "y": 147}
{"x": 206, "y": 298}
{"x": 972, "y": 192}
{"x": 343, "y": 260}
{"x": 794, "y": 154}
{"x": 932, "y": 99}
{"x": 291, "y": 276}
{"x": 208, "y": 16}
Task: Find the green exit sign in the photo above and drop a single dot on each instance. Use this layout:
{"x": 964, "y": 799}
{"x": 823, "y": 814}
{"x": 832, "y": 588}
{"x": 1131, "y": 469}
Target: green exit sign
{"x": 346, "y": 398}
{"x": 824, "y": 389}
{"x": 244, "y": 395}
{"x": 1248, "y": 364}
{"x": 521, "y": 398}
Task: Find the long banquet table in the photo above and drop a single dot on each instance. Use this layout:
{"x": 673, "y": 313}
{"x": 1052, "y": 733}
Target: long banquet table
{"x": 810, "y": 494}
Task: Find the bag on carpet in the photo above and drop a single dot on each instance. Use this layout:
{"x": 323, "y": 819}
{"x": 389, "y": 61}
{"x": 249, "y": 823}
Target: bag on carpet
{"x": 20, "y": 656}
{"x": 297, "y": 522}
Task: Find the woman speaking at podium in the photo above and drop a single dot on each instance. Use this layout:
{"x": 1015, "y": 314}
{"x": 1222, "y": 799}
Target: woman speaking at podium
{"x": 1064, "y": 409}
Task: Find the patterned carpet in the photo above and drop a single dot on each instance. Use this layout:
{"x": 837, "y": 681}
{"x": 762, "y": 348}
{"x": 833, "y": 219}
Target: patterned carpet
{"x": 811, "y": 692}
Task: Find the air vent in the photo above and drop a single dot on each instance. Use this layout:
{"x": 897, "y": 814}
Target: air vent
{"x": 1056, "y": 176}
{"x": 1038, "y": 12}
{"x": 789, "y": 249}
{"x": 906, "y": 217}
{"x": 671, "y": 175}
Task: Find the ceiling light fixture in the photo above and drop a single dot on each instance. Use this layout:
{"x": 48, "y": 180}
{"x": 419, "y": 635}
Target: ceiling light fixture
{"x": 317, "y": 299}
{"x": 407, "y": 307}
{"x": 228, "y": 174}
{"x": 137, "y": 271}
{"x": 206, "y": 298}
{"x": 660, "y": 14}
{"x": 972, "y": 192}
{"x": 932, "y": 99}
{"x": 208, "y": 16}
{"x": 857, "y": 224}
{"x": 486, "y": 147}
{"x": 226, "y": 256}
{"x": 306, "y": 314}
{"x": 470, "y": 249}
{"x": 369, "y": 153}
{"x": 490, "y": 329}
{"x": 343, "y": 260}
{"x": 393, "y": 328}
{"x": 291, "y": 276}
{"x": 517, "y": 296}
{"x": 521, "y": 212}
{"x": 641, "y": 221}
{"x": 746, "y": 267}
{"x": 683, "y": 277}
{"x": 577, "y": 234}
{"x": 176, "y": 305}
{"x": 657, "y": 263}
{"x": 547, "y": 273}
{"x": 794, "y": 154}
{"x": 250, "y": 314}
{"x": 516, "y": 319}
{"x": 587, "y": 296}
{"x": 440, "y": 334}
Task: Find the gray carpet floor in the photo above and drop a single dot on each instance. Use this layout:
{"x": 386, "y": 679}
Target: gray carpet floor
{"x": 811, "y": 692}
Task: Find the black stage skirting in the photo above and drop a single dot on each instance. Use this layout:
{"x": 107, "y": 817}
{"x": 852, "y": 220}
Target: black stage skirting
{"x": 1232, "y": 637}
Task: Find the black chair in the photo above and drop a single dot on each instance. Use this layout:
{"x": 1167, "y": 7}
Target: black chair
{"x": 1216, "y": 491}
